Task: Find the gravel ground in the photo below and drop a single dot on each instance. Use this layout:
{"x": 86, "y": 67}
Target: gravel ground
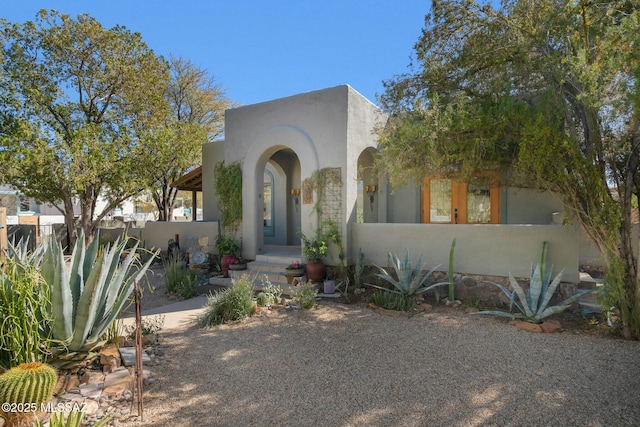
{"x": 344, "y": 365}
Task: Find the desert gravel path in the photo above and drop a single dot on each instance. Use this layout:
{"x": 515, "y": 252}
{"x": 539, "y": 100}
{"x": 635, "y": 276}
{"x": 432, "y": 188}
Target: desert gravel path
{"x": 345, "y": 366}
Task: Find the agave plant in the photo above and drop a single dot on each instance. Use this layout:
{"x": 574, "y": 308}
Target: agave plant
{"x": 409, "y": 281}
{"x": 533, "y": 304}
{"x": 21, "y": 253}
{"x": 89, "y": 291}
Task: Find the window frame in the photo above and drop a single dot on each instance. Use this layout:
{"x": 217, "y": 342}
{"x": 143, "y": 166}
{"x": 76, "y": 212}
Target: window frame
{"x": 459, "y": 194}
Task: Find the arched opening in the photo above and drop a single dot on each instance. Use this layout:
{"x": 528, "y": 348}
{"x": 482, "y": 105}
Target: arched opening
{"x": 368, "y": 188}
{"x": 281, "y": 199}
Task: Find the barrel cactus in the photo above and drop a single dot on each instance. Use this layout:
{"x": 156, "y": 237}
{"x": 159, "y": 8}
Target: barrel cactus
{"x": 28, "y": 385}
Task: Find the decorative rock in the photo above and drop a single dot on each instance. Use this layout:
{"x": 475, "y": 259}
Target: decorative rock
{"x": 93, "y": 391}
{"x": 117, "y": 382}
{"x": 92, "y": 377}
{"x": 128, "y": 355}
{"x": 526, "y": 326}
{"x": 91, "y": 406}
{"x": 470, "y": 310}
{"x": 426, "y": 307}
{"x": 469, "y": 281}
{"x": 110, "y": 355}
{"x": 550, "y": 326}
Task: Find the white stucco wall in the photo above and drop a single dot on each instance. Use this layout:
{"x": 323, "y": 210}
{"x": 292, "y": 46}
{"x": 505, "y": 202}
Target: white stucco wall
{"x": 494, "y": 250}
{"x": 325, "y": 128}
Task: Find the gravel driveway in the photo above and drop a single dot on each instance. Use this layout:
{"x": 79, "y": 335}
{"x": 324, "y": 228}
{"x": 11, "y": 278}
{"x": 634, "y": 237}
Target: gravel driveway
{"x": 340, "y": 365}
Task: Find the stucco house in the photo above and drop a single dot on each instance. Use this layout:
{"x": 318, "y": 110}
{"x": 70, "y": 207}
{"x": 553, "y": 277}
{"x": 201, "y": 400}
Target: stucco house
{"x": 281, "y": 144}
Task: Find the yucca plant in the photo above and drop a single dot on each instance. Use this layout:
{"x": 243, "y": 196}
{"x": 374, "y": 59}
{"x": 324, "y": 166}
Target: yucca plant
{"x": 89, "y": 291}
{"x": 533, "y": 305}
{"x": 410, "y": 281}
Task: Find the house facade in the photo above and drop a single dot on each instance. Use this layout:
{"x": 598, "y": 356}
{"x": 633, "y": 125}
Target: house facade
{"x": 284, "y": 144}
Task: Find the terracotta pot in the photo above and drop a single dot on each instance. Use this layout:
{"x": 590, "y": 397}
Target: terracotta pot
{"x": 315, "y": 271}
{"x": 292, "y": 274}
{"x": 224, "y": 264}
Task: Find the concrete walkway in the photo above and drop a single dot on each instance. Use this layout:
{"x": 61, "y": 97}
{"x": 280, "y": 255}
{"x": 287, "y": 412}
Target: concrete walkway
{"x": 177, "y": 315}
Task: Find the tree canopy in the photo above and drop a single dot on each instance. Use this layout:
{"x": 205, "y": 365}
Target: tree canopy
{"x": 195, "y": 115}
{"x": 77, "y": 100}
{"x": 547, "y": 91}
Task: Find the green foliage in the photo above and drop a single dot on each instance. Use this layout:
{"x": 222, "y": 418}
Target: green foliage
{"x": 148, "y": 326}
{"x": 304, "y": 295}
{"x": 74, "y": 419}
{"x": 89, "y": 291}
{"x": 314, "y": 249}
{"x": 227, "y": 245}
{"x": 393, "y": 301}
{"x": 29, "y": 383}
{"x": 407, "y": 281}
{"x": 234, "y": 303}
{"x": 228, "y": 188}
{"x": 80, "y": 103}
{"x": 180, "y": 280}
{"x": 195, "y": 114}
{"x": 270, "y": 294}
{"x": 451, "y": 269}
{"x": 546, "y": 92}
{"x": 359, "y": 269}
{"x": 25, "y": 319}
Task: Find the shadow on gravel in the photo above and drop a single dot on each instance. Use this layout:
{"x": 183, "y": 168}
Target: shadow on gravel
{"x": 347, "y": 366}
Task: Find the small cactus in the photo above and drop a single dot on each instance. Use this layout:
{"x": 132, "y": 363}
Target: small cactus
{"x": 28, "y": 383}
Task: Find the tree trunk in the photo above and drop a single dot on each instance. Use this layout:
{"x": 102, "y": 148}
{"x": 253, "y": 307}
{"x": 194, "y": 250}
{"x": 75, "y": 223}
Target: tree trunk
{"x": 69, "y": 219}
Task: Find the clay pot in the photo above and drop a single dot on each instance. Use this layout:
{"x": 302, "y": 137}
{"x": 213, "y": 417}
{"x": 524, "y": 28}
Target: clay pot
{"x": 315, "y": 271}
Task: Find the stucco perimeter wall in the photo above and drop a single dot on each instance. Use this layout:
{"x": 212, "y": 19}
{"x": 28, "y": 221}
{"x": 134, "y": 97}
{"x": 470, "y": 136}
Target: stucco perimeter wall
{"x": 492, "y": 250}
{"x": 157, "y": 233}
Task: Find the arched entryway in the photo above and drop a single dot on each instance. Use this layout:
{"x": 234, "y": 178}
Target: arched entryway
{"x": 281, "y": 199}
{"x": 289, "y": 154}
{"x": 368, "y": 187}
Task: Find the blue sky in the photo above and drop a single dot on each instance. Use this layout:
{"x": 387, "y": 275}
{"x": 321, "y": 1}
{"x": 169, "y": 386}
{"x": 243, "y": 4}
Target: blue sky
{"x": 262, "y": 50}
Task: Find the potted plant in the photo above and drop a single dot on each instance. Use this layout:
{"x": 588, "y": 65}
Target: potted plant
{"x": 313, "y": 250}
{"x": 237, "y": 263}
{"x": 295, "y": 269}
{"x": 227, "y": 248}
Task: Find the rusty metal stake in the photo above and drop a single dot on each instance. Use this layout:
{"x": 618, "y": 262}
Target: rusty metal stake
{"x": 139, "y": 374}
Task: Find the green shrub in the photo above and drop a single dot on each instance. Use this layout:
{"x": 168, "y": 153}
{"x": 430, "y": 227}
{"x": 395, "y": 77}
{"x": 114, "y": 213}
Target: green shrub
{"x": 25, "y": 320}
{"x": 270, "y": 294}
{"x": 393, "y": 301}
{"x": 180, "y": 281}
{"x": 148, "y": 326}
{"x": 234, "y": 303}
{"x": 305, "y": 295}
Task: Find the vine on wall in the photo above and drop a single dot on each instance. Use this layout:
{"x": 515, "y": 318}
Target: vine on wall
{"x": 228, "y": 188}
